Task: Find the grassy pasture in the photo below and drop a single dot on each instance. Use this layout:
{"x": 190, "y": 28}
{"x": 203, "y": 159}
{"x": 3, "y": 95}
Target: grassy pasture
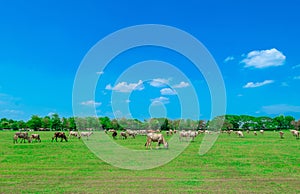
{"x": 254, "y": 164}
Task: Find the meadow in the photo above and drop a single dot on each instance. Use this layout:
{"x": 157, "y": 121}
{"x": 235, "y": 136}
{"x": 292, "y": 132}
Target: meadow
{"x": 253, "y": 164}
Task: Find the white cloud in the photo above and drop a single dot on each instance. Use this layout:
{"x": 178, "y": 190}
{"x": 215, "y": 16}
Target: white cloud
{"x": 99, "y": 72}
{"x": 280, "y": 109}
{"x": 168, "y": 91}
{"x": 160, "y": 100}
{"x": 264, "y": 58}
{"x": 50, "y": 114}
{"x": 257, "y": 84}
{"x": 126, "y": 87}
{"x": 127, "y": 101}
{"x": 159, "y": 82}
{"x": 181, "y": 85}
{"x": 296, "y": 77}
{"x": 229, "y": 58}
{"x": 240, "y": 95}
{"x": 90, "y": 103}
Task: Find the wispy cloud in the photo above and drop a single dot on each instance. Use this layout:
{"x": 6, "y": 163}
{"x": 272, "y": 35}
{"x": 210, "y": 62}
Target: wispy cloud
{"x": 280, "y": 109}
{"x": 168, "y": 91}
{"x": 8, "y": 100}
{"x": 296, "y": 66}
{"x": 257, "y": 84}
{"x": 160, "y": 100}
{"x": 284, "y": 84}
{"x": 159, "y": 82}
{"x": 90, "y": 103}
{"x": 264, "y": 58}
{"x": 126, "y": 87}
{"x": 99, "y": 72}
{"x": 296, "y": 77}
{"x": 181, "y": 85}
{"x": 11, "y": 112}
{"x": 229, "y": 58}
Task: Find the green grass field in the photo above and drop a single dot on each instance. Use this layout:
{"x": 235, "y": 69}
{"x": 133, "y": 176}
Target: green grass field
{"x": 254, "y": 164}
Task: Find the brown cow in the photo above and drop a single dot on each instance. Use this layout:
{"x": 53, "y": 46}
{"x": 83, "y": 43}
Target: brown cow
{"x": 36, "y": 137}
{"x": 123, "y": 135}
{"x": 61, "y": 135}
{"x": 281, "y": 133}
{"x": 23, "y": 136}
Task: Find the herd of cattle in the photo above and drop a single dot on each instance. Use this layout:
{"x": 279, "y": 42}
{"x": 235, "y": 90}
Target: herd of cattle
{"x": 152, "y": 135}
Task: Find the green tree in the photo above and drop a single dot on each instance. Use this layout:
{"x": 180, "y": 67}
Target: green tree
{"x": 14, "y": 125}
{"x": 105, "y": 122}
{"x": 21, "y": 124}
{"x": 46, "y": 122}
{"x": 72, "y": 123}
{"x": 55, "y": 122}
{"x": 115, "y": 125}
{"x": 35, "y": 122}
{"x": 165, "y": 125}
{"x": 65, "y": 123}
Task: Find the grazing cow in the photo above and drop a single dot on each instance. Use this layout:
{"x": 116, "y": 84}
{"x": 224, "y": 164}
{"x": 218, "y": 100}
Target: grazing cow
{"x": 36, "y": 137}
{"x": 261, "y": 132}
{"x": 193, "y": 134}
{"x": 114, "y": 134}
{"x": 131, "y": 133}
{"x": 296, "y": 133}
{"x": 153, "y": 137}
{"x": 170, "y": 132}
{"x": 293, "y": 132}
{"x": 74, "y": 134}
{"x": 112, "y": 130}
{"x": 248, "y": 131}
{"x": 86, "y": 134}
{"x": 23, "y": 136}
{"x": 255, "y": 133}
{"x": 183, "y": 134}
{"x": 60, "y": 135}
{"x": 123, "y": 135}
{"x": 240, "y": 133}
{"x": 281, "y": 134}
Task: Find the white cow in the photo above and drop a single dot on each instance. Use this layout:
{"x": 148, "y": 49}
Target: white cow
{"x": 262, "y": 132}
{"x": 86, "y": 134}
{"x": 193, "y": 134}
{"x": 74, "y": 133}
{"x": 240, "y": 133}
{"x": 154, "y": 137}
{"x": 183, "y": 134}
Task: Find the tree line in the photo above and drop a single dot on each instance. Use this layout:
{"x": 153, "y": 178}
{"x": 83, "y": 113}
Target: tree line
{"x": 226, "y": 122}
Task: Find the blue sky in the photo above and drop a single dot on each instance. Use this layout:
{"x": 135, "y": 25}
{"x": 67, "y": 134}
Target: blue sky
{"x": 255, "y": 44}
